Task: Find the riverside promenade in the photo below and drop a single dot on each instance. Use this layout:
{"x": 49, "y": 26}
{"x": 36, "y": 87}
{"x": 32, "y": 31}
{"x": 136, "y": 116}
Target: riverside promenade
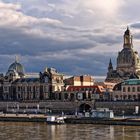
{"x": 23, "y": 117}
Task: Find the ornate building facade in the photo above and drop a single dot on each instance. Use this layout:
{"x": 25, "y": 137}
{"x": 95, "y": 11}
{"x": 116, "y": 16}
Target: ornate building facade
{"x": 82, "y": 80}
{"x": 127, "y": 90}
{"x": 15, "y": 86}
{"x": 128, "y": 62}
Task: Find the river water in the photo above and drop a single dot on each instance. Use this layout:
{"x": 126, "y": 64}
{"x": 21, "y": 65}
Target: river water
{"x": 42, "y": 131}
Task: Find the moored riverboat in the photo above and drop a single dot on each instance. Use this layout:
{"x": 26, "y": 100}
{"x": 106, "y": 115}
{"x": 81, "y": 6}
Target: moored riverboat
{"x": 55, "y": 119}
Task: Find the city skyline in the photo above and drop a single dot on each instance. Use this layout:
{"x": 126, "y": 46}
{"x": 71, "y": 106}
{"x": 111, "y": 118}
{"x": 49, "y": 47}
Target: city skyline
{"x": 75, "y": 37}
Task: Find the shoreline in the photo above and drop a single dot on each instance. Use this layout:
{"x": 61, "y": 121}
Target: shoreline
{"x": 72, "y": 120}
{"x": 104, "y": 121}
{"x": 23, "y": 118}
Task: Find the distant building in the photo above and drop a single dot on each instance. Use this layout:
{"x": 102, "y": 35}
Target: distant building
{"x": 86, "y": 92}
{"x": 128, "y": 62}
{"x": 17, "y": 86}
{"x": 55, "y": 79}
{"x": 85, "y": 88}
{"x": 127, "y": 90}
{"x": 107, "y": 85}
{"x": 83, "y": 80}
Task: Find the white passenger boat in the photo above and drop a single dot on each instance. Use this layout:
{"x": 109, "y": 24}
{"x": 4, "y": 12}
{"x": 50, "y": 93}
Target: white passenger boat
{"x": 55, "y": 119}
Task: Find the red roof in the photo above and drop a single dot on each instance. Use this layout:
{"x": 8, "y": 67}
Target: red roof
{"x": 96, "y": 88}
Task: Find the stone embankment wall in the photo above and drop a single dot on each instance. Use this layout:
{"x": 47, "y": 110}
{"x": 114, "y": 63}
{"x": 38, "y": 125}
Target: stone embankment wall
{"x": 120, "y": 107}
{"x": 47, "y": 106}
{"x": 59, "y": 106}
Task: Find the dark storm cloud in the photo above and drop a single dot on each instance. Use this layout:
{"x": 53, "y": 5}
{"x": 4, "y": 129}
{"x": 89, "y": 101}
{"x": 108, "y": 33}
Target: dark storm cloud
{"x": 15, "y": 41}
{"x": 75, "y": 37}
{"x": 104, "y": 39}
{"x": 88, "y": 64}
{"x": 31, "y": 48}
{"x": 135, "y": 25}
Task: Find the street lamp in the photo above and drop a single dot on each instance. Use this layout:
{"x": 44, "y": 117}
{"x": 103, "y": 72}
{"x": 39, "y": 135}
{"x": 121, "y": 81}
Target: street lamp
{"x": 27, "y": 109}
{"x": 45, "y": 111}
{"x": 7, "y": 108}
{"x": 37, "y": 107}
{"x": 50, "y": 111}
{"x": 123, "y": 113}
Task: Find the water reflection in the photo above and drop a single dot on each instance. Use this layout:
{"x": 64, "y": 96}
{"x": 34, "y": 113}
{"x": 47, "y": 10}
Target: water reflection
{"x": 42, "y": 131}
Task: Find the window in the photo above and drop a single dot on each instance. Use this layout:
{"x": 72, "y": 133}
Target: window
{"x": 37, "y": 89}
{"x": 23, "y": 89}
{"x": 129, "y": 97}
{"x": 128, "y": 89}
{"x": 18, "y": 88}
{"x": 5, "y": 89}
{"x": 116, "y": 96}
{"x": 65, "y": 96}
{"x": 133, "y": 89}
{"x": 31, "y": 88}
{"x": 138, "y": 89}
{"x": 124, "y": 97}
{"x": 46, "y": 88}
{"x": 137, "y": 60}
{"x": 134, "y": 97}
{"x": 46, "y": 79}
{"x": 124, "y": 90}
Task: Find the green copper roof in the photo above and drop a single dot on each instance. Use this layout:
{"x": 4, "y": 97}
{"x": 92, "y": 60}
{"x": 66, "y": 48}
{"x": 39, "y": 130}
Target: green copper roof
{"x": 132, "y": 82}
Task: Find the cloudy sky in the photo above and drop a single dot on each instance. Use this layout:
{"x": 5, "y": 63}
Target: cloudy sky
{"x": 73, "y": 36}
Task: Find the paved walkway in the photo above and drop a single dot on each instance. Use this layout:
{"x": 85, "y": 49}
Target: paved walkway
{"x": 24, "y": 115}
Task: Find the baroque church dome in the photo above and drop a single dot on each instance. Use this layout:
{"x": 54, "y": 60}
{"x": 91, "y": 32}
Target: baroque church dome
{"x": 16, "y": 67}
{"x": 128, "y": 60}
{"x": 126, "y": 57}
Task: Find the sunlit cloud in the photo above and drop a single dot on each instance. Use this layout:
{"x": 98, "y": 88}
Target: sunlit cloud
{"x": 107, "y": 7}
{"x": 73, "y": 36}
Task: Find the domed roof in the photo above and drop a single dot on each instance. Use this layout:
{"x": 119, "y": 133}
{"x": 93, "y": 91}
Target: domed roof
{"x": 126, "y": 56}
{"x": 16, "y": 66}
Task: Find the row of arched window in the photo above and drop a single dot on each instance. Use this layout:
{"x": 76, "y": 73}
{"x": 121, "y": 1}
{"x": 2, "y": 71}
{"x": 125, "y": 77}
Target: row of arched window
{"x": 127, "y": 97}
{"x": 131, "y": 89}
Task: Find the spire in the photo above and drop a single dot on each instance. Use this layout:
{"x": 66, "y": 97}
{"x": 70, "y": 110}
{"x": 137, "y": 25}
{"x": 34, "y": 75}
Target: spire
{"x": 16, "y": 58}
{"x": 127, "y": 32}
{"x": 110, "y": 66}
{"x": 128, "y": 38}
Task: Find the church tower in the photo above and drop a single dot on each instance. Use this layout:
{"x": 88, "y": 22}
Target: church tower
{"x": 128, "y": 61}
{"x": 128, "y": 42}
{"x": 110, "y": 66}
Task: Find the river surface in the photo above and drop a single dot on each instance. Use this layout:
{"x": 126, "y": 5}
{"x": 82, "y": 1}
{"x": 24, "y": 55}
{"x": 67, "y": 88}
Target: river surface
{"x": 42, "y": 131}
